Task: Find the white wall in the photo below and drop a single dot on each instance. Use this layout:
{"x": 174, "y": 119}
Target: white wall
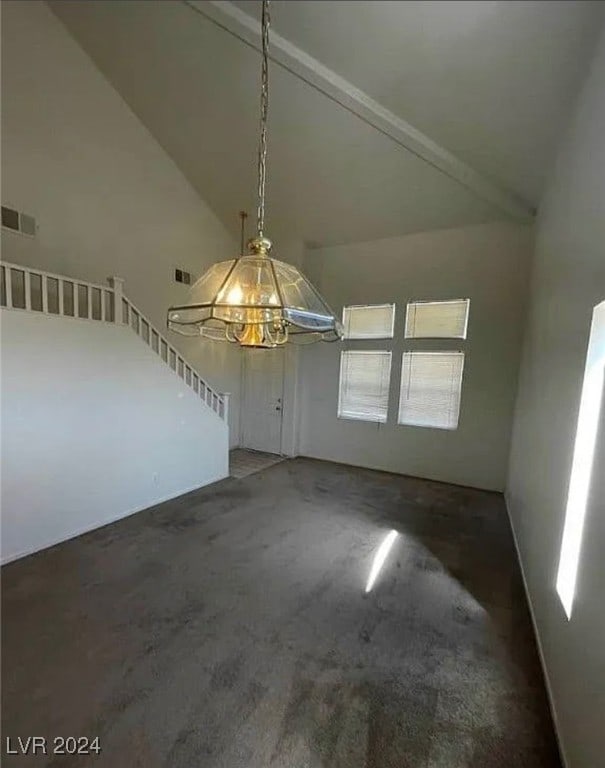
{"x": 108, "y": 200}
{"x": 487, "y": 264}
{"x": 568, "y": 280}
{"x": 94, "y": 426}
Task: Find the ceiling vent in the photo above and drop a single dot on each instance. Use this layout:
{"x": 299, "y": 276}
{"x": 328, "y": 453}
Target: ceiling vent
{"x": 18, "y": 222}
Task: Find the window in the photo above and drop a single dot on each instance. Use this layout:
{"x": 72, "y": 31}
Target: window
{"x": 365, "y": 374}
{"x": 364, "y": 385}
{"x": 369, "y": 321}
{"x": 583, "y": 457}
{"x": 437, "y": 319}
{"x": 431, "y": 383}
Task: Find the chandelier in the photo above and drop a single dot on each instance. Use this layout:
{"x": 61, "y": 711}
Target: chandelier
{"x": 256, "y": 300}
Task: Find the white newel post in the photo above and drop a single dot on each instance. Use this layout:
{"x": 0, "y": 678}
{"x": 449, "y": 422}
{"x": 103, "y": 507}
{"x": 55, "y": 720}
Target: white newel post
{"x": 117, "y": 283}
{"x": 226, "y": 396}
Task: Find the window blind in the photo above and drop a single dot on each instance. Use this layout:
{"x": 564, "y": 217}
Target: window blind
{"x": 437, "y": 319}
{"x": 364, "y": 385}
{"x": 431, "y": 383}
{"x": 369, "y": 321}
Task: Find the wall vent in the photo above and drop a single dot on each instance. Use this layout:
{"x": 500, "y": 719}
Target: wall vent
{"x": 182, "y": 277}
{"x": 18, "y": 222}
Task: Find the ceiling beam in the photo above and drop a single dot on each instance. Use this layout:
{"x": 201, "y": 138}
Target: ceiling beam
{"x": 247, "y": 29}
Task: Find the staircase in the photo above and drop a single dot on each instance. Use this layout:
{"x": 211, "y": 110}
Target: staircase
{"x": 34, "y": 290}
{"x": 101, "y": 415}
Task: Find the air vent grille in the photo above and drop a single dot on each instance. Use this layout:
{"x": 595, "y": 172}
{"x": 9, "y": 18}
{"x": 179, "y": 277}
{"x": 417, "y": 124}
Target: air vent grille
{"x": 182, "y": 277}
{"x": 18, "y": 222}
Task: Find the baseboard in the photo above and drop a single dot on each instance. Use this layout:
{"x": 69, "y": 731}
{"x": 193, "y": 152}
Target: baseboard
{"x": 549, "y": 692}
{"x": 101, "y": 523}
{"x": 377, "y": 468}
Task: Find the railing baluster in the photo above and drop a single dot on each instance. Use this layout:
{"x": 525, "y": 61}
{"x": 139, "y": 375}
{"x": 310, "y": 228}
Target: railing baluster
{"x": 44, "y": 294}
{"x": 27, "y": 287}
{"x": 8, "y": 281}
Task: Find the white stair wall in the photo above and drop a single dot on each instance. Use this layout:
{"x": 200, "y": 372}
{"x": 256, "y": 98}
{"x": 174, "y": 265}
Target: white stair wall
{"x": 95, "y": 424}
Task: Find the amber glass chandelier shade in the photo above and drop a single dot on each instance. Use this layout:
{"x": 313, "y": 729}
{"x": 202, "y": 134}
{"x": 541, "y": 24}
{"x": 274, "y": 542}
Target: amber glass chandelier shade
{"x": 255, "y": 301}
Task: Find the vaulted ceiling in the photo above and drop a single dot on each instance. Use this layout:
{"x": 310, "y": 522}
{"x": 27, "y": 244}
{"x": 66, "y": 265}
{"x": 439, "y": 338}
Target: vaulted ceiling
{"x": 485, "y": 90}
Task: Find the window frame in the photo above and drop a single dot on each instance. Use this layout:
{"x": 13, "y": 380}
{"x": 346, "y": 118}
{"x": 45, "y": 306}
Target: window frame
{"x": 582, "y": 471}
{"x": 369, "y": 336}
{"x": 411, "y": 353}
{"x": 367, "y": 418}
{"x": 410, "y": 304}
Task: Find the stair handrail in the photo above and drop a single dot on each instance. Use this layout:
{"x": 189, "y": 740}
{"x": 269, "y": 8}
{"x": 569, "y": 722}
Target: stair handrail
{"x": 100, "y": 303}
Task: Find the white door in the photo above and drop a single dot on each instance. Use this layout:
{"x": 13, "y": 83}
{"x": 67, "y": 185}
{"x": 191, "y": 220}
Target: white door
{"x": 262, "y": 402}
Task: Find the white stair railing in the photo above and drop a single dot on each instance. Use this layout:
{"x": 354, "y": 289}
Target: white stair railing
{"x": 35, "y": 290}
{"x": 39, "y": 291}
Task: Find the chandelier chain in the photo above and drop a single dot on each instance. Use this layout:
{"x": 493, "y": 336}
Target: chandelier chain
{"x": 243, "y": 216}
{"x": 264, "y": 108}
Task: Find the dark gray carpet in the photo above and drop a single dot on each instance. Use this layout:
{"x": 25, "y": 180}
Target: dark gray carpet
{"x": 231, "y": 628}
